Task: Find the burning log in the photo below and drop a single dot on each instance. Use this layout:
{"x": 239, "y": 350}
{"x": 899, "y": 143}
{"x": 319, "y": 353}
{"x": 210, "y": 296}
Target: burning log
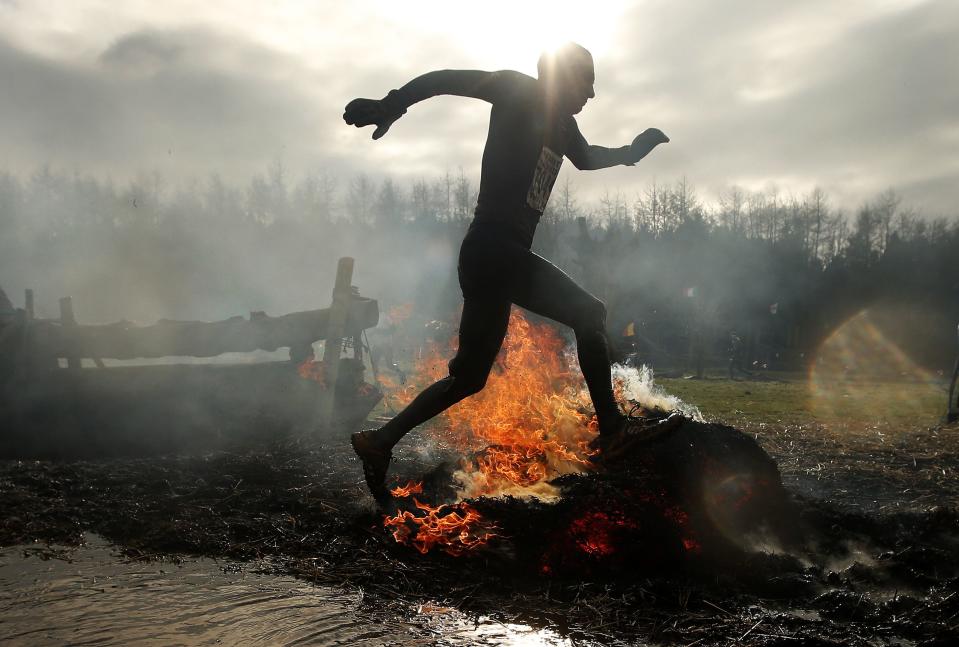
{"x": 694, "y": 494}
{"x": 704, "y": 493}
{"x": 700, "y": 494}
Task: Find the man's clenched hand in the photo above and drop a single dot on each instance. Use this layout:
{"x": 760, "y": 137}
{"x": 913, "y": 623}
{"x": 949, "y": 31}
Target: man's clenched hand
{"x": 645, "y": 142}
{"x": 368, "y": 112}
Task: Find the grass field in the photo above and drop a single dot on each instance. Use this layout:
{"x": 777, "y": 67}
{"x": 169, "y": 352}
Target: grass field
{"x": 794, "y": 400}
{"x": 874, "y": 446}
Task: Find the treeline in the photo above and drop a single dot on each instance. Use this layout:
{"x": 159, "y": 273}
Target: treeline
{"x": 780, "y": 273}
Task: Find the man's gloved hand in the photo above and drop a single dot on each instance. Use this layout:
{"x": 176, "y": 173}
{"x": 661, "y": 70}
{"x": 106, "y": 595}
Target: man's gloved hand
{"x": 645, "y": 142}
{"x": 367, "y": 112}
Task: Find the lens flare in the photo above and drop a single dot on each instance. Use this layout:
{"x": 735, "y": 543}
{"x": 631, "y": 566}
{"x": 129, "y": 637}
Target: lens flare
{"x": 860, "y": 374}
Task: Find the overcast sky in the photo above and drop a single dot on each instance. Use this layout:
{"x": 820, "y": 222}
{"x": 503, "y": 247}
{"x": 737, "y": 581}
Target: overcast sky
{"x": 854, "y": 96}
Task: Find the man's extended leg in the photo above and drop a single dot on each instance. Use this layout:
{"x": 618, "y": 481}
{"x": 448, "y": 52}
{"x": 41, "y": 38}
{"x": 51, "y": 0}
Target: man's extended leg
{"x": 482, "y": 328}
{"x": 552, "y": 293}
{"x": 549, "y": 291}
{"x": 546, "y": 290}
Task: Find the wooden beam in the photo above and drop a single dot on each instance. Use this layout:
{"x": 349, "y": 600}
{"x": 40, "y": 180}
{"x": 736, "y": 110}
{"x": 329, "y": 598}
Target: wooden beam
{"x": 123, "y": 340}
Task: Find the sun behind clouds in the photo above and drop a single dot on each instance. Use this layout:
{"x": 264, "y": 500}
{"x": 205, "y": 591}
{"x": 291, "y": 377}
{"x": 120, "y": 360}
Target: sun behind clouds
{"x": 510, "y": 33}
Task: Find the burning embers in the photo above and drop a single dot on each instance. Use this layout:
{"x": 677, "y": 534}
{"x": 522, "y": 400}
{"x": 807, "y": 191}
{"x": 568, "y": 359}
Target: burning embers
{"x": 310, "y": 369}
{"x": 595, "y": 532}
{"x": 354, "y": 397}
{"x": 694, "y": 492}
{"x": 350, "y": 381}
{"x": 455, "y": 529}
{"x": 532, "y": 421}
{"x": 530, "y": 424}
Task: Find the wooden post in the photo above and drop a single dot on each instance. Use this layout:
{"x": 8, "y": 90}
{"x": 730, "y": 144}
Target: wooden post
{"x": 358, "y": 344}
{"x": 335, "y": 331}
{"x": 952, "y": 412}
{"x": 700, "y": 351}
{"x": 67, "y": 323}
{"x": 25, "y": 361}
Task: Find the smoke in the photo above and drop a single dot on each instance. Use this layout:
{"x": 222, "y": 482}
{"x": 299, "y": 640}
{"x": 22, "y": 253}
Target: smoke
{"x": 637, "y": 385}
{"x": 682, "y": 276}
{"x": 208, "y": 250}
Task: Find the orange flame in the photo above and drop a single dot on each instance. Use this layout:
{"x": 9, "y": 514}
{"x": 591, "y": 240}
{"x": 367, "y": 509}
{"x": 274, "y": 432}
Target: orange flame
{"x": 411, "y": 488}
{"x": 531, "y": 423}
{"x": 310, "y": 369}
{"x": 389, "y": 383}
{"x": 400, "y": 313}
{"x": 455, "y": 532}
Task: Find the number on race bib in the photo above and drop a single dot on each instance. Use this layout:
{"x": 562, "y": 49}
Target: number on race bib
{"x": 547, "y": 168}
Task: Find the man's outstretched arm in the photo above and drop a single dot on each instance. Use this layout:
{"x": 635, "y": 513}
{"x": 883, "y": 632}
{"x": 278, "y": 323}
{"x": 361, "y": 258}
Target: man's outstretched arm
{"x": 488, "y": 86}
{"x": 588, "y": 157}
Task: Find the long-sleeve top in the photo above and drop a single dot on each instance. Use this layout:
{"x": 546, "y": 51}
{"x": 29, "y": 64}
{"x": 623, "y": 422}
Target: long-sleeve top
{"x": 525, "y": 145}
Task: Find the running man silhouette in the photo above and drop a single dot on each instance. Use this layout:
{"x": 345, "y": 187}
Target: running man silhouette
{"x": 531, "y": 128}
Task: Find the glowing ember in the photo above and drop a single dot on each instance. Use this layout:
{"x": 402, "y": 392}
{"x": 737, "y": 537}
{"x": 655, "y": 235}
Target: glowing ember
{"x": 411, "y": 488}
{"x": 310, "y": 369}
{"x": 455, "y": 529}
{"x": 595, "y": 532}
{"x": 691, "y": 545}
{"x": 681, "y": 519}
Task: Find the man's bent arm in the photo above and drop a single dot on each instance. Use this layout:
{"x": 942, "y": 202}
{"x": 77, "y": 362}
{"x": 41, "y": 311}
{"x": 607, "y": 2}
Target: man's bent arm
{"x": 588, "y": 157}
{"x": 488, "y": 86}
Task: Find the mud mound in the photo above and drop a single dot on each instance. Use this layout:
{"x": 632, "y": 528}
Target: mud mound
{"x": 693, "y": 497}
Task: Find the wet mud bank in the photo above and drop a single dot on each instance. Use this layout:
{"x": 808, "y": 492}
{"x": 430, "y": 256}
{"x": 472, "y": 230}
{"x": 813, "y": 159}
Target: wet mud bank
{"x": 853, "y": 577}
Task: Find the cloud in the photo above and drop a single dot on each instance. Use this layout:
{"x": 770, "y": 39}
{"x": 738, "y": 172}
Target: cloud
{"x": 186, "y": 102}
{"x": 854, "y": 97}
{"x": 752, "y": 91}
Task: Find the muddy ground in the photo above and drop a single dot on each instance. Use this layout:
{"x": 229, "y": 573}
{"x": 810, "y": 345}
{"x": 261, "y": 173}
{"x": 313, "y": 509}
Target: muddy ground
{"x": 878, "y": 506}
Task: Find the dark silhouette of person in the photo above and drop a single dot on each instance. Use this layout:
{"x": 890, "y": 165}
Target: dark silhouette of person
{"x": 737, "y": 355}
{"x": 531, "y": 129}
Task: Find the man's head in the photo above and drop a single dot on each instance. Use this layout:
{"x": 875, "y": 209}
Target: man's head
{"x": 567, "y": 74}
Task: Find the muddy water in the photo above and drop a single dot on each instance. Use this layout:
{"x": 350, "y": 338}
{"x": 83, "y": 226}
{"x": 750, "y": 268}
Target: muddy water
{"x": 93, "y": 596}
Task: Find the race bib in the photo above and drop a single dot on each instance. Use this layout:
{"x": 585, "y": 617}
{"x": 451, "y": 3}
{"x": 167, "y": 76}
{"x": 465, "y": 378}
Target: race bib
{"x": 547, "y": 168}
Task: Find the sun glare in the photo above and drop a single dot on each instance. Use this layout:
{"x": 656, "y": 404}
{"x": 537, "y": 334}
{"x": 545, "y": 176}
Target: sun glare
{"x": 507, "y": 33}
{"x": 860, "y": 373}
